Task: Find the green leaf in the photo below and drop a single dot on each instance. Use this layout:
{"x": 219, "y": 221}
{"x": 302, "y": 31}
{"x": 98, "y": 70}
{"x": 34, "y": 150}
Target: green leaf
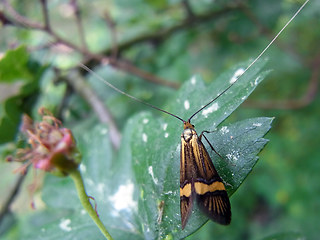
{"x": 13, "y": 66}
{"x": 238, "y": 144}
{"x": 9, "y": 119}
{"x": 64, "y": 224}
{"x": 157, "y": 169}
{"x": 156, "y": 148}
{"x": 286, "y": 236}
{"x": 16, "y": 67}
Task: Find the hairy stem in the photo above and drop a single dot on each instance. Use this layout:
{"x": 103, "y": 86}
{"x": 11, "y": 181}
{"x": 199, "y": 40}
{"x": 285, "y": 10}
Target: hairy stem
{"x": 84, "y": 199}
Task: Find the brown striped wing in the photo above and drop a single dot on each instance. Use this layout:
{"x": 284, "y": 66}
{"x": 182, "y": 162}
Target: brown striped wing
{"x": 186, "y": 181}
{"x": 212, "y": 196}
{"x": 199, "y": 179}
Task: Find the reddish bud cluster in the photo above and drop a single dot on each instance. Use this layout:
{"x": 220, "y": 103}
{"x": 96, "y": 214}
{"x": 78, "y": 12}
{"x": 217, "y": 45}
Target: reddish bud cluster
{"x": 51, "y": 146}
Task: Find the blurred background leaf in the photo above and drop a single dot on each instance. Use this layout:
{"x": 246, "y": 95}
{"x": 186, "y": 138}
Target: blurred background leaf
{"x": 173, "y": 40}
{"x": 19, "y": 81}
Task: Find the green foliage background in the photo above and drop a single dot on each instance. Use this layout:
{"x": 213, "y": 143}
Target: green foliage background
{"x": 279, "y": 197}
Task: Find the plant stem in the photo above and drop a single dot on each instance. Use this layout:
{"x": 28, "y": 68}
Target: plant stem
{"x": 84, "y": 199}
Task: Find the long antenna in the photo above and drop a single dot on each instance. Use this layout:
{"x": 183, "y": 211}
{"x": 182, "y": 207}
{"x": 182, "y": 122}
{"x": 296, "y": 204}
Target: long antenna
{"x": 161, "y": 110}
{"x": 122, "y": 92}
{"x": 253, "y": 62}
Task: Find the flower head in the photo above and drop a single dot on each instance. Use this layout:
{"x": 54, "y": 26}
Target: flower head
{"x": 51, "y": 147}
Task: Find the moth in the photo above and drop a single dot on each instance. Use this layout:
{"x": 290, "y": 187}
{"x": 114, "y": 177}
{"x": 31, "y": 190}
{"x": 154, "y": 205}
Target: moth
{"x": 199, "y": 180}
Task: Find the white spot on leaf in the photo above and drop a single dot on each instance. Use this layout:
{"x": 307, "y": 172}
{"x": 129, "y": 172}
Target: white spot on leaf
{"x": 144, "y": 137}
{"x": 164, "y": 126}
{"x": 150, "y": 171}
{"x": 256, "y": 82}
{"x": 104, "y": 131}
{"x": 236, "y": 75}
{"x": 224, "y": 130}
{"x": 234, "y": 156}
{"x": 83, "y": 168}
{"x": 123, "y": 198}
{"x": 168, "y": 193}
{"x": 166, "y": 135}
{"x": 193, "y": 81}
{"x": 214, "y": 107}
{"x": 64, "y": 225}
{"x": 145, "y": 120}
{"x": 186, "y": 104}
{"x": 83, "y": 212}
{"x": 257, "y": 124}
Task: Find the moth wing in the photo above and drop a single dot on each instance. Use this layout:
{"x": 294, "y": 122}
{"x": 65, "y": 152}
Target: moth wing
{"x": 212, "y": 197}
{"x": 186, "y": 182}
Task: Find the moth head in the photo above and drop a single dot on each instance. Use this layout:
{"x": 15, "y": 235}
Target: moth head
{"x": 187, "y": 125}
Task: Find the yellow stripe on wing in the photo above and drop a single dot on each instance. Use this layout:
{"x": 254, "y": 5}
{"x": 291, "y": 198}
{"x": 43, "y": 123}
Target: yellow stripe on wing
{"x": 203, "y": 188}
{"x": 186, "y": 190}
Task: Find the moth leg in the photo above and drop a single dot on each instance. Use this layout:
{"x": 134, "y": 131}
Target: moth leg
{"x": 202, "y": 134}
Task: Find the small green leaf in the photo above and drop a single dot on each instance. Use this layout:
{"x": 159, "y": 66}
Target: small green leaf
{"x": 16, "y": 67}
{"x": 9, "y": 119}
{"x": 13, "y": 66}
